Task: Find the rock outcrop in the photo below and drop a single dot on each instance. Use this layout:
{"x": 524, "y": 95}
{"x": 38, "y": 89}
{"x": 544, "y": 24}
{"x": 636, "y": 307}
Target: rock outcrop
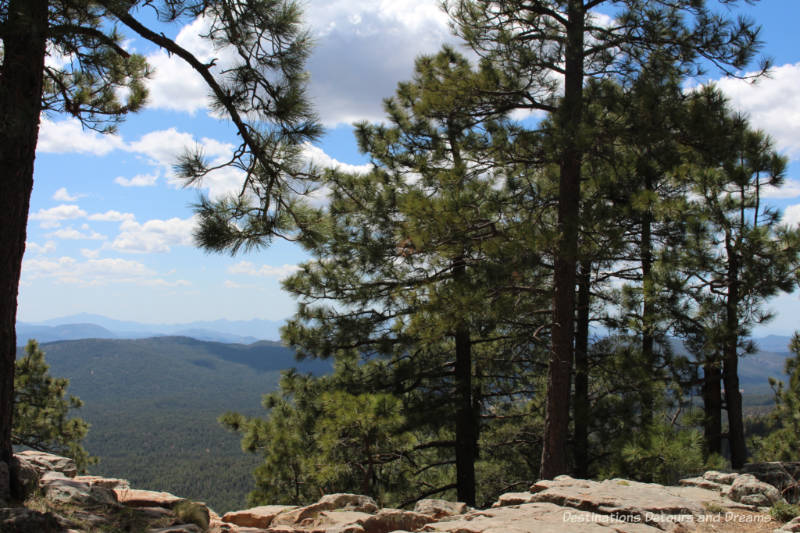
{"x": 563, "y": 505}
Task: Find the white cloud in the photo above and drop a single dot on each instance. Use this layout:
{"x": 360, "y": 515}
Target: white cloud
{"x": 62, "y": 195}
{"x": 68, "y": 136}
{"x": 154, "y": 235}
{"x": 250, "y": 269}
{"x": 228, "y": 284}
{"x": 93, "y": 272}
{"x": 791, "y": 215}
{"x": 73, "y": 234}
{"x": 790, "y": 189}
{"x": 51, "y": 218}
{"x": 112, "y": 216}
{"x": 90, "y": 254}
{"x": 364, "y": 48}
{"x": 47, "y": 247}
{"x": 139, "y": 180}
{"x": 317, "y": 156}
{"x": 773, "y": 104}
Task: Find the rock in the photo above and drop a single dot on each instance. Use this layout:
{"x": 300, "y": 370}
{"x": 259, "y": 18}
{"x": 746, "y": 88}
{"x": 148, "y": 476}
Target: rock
{"x": 723, "y": 478}
{"x": 147, "y": 498}
{"x": 703, "y": 483}
{"x": 389, "y": 520}
{"x": 22, "y": 520}
{"x": 330, "y": 502}
{"x": 784, "y": 476}
{"x": 791, "y": 526}
{"x": 350, "y": 502}
{"x": 48, "y": 462}
{"x": 440, "y": 508}
{"x": 193, "y": 513}
{"x": 541, "y": 518}
{"x": 749, "y": 490}
{"x": 106, "y": 482}
{"x": 641, "y": 502}
{"x": 28, "y": 475}
{"x": 59, "y": 488}
{"x": 260, "y": 517}
{"x": 513, "y": 498}
{"x": 180, "y": 528}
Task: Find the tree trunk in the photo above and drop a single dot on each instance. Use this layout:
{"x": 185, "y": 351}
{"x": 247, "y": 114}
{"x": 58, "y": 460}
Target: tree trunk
{"x": 712, "y": 405}
{"x": 581, "y": 401}
{"x": 466, "y": 422}
{"x": 648, "y": 340}
{"x": 730, "y": 369}
{"x": 556, "y": 422}
{"x": 21, "y": 74}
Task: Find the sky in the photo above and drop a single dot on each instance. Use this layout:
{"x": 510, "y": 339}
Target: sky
{"x": 110, "y": 228}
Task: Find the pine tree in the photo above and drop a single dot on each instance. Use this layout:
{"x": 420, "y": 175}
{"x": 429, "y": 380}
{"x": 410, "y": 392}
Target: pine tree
{"x": 741, "y": 255}
{"x": 266, "y": 82}
{"x": 42, "y": 409}
{"x": 782, "y": 443}
{"x": 548, "y": 42}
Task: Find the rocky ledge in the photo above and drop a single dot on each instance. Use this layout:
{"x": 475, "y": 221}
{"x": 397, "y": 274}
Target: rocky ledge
{"x": 64, "y": 502}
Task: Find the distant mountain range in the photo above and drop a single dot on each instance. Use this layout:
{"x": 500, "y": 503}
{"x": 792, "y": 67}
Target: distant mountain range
{"x": 89, "y": 326}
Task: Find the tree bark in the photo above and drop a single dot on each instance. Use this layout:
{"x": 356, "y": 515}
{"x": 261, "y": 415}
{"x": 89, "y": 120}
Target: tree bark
{"x": 648, "y": 340}
{"x": 730, "y": 368}
{"x": 581, "y": 400}
{"x": 21, "y": 75}
{"x": 556, "y": 423}
{"x": 712, "y": 406}
{"x": 466, "y": 422}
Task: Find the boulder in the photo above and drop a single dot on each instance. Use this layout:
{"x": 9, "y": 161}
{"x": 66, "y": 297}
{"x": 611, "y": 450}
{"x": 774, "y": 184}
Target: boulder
{"x": 48, "y": 462}
{"x": 106, "y": 482}
{"x": 146, "y": 498}
{"x": 513, "y": 498}
{"x": 645, "y": 503}
{"x": 260, "y": 517}
{"x": 784, "y": 476}
{"x": 180, "y": 528}
{"x": 390, "y": 520}
{"x": 22, "y": 520}
{"x": 750, "y": 491}
{"x": 723, "y": 478}
{"x": 792, "y": 526}
{"x": 330, "y": 502}
{"x": 440, "y": 508}
{"x": 702, "y": 483}
{"x": 59, "y": 488}
{"x": 28, "y": 475}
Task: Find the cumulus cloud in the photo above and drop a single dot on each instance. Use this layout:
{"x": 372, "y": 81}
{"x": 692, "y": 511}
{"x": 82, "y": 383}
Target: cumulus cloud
{"x": 791, "y": 215}
{"x": 364, "y": 48}
{"x": 317, "y": 157}
{"x": 40, "y": 249}
{"x": 112, "y": 216}
{"x": 90, "y": 254}
{"x": 773, "y": 104}
{"x": 96, "y": 272}
{"x": 139, "y": 180}
{"x": 154, "y": 235}
{"x": 250, "y": 269}
{"x": 73, "y": 234}
{"x": 52, "y": 218}
{"x": 68, "y": 136}
{"x": 62, "y": 195}
{"x": 789, "y": 189}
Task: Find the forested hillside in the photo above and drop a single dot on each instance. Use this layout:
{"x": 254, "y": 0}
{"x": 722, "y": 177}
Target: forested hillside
{"x": 153, "y": 406}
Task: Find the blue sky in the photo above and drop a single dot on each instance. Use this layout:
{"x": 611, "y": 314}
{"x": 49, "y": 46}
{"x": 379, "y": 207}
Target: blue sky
{"x": 110, "y": 229}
